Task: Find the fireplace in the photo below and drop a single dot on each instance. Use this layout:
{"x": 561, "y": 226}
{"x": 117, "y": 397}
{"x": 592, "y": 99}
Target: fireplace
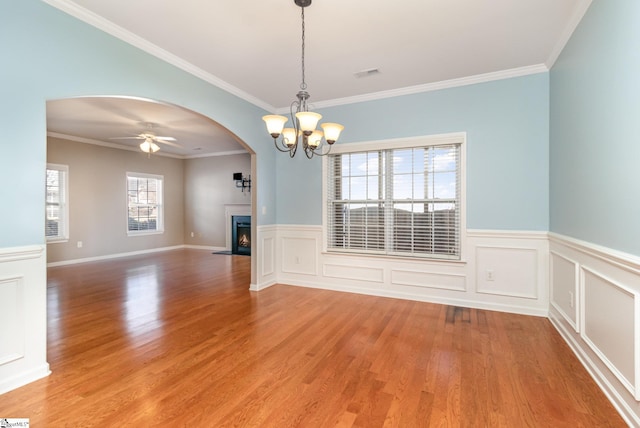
{"x": 241, "y": 235}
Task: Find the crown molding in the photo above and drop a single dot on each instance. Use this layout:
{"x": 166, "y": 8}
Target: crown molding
{"x": 101, "y": 23}
{"x": 109, "y": 27}
{"x": 578, "y": 14}
{"x": 428, "y": 87}
{"x": 133, "y": 149}
{"x": 105, "y": 144}
{"x": 209, "y": 155}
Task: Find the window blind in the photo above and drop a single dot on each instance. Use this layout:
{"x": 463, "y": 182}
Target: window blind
{"x": 396, "y": 202}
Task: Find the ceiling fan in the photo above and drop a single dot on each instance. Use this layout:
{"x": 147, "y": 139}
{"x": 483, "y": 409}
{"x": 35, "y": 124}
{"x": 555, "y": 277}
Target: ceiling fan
{"x": 150, "y": 139}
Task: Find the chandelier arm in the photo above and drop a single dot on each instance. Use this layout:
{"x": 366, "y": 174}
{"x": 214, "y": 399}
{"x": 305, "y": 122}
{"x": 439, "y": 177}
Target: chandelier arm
{"x": 309, "y": 153}
{"x": 317, "y": 152}
{"x": 294, "y": 120}
{"x": 275, "y": 141}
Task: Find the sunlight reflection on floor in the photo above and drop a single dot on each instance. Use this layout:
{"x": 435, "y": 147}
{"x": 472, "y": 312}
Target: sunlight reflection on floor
{"x": 142, "y": 303}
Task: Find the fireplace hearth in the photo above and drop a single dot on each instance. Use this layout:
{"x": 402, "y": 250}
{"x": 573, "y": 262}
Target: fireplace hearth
{"x": 241, "y": 235}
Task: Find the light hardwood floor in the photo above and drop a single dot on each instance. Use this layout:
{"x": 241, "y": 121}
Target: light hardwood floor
{"x": 177, "y": 339}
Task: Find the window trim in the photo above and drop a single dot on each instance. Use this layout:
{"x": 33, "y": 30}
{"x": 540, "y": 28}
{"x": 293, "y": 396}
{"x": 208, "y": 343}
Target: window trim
{"x": 401, "y": 143}
{"x": 160, "y": 223}
{"x": 64, "y": 205}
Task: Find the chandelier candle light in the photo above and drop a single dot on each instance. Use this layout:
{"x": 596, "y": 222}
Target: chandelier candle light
{"x": 304, "y": 121}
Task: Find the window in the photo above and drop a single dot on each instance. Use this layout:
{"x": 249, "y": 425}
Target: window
{"x": 56, "y": 204}
{"x": 144, "y": 206}
{"x": 404, "y": 199}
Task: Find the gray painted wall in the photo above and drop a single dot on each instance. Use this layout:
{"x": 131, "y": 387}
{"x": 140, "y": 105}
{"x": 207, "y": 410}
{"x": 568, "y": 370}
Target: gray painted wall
{"x": 195, "y": 191}
{"x": 209, "y": 186}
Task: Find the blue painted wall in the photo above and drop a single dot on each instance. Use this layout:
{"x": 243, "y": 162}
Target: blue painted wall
{"x": 507, "y": 126}
{"x": 595, "y": 123}
{"x": 46, "y": 54}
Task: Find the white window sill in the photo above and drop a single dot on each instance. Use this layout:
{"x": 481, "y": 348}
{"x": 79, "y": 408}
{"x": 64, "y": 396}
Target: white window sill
{"x": 57, "y": 240}
{"x": 144, "y": 232}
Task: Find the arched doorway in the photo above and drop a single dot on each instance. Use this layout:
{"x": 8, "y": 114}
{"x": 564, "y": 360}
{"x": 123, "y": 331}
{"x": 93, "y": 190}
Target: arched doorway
{"x": 196, "y": 158}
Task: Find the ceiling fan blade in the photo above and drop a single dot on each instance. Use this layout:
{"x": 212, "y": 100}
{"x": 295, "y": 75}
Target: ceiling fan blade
{"x": 164, "y": 138}
{"x": 169, "y": 143}
{"x": 137, "y": 137}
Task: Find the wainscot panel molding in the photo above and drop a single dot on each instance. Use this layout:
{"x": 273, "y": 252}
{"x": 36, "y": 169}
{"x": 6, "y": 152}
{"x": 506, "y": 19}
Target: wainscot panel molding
{"x": 595, "y": 306}
{"x": 427, "y": 279}
{"x": 23, "y": 324}
{"x": 517, "y": 261}
{"x": 565, "y": 274}
{"x": 350, "y": 271}
{"x": 266, "y": 257}
{"x": 512, "y": 279}
{"x": 12, "y": 298}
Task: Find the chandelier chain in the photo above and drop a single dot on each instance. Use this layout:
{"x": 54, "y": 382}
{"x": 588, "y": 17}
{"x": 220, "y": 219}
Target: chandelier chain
{"x": 303, "y": 85}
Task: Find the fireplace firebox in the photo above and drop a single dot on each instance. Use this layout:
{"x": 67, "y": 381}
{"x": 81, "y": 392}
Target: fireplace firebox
{"x": 241, "y": 235}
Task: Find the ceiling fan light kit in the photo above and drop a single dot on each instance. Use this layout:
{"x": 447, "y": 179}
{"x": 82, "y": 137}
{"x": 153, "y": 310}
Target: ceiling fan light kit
{"x": 304, "y": 130}
{"x": 150, "y": 139}
{"x": 148, "y": 146}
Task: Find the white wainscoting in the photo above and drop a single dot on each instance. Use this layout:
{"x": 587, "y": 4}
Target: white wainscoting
{"x": 595, "y": 305}
{"x": 518, "y": 278}
{"x": 23, "y": 309}
{"x": 266, "y": 257}
{"x": 517, "y": 261}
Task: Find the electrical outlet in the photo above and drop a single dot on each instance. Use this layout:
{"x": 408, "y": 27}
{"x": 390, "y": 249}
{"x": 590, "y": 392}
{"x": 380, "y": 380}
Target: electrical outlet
{"x": 79, "y": 244}
{"x": 489, "y": 276}
{"x": 193, "y": 234}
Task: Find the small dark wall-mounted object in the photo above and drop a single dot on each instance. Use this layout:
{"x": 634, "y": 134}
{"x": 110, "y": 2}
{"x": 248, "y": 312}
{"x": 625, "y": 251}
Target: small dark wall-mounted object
{"x": 241, "y": 181}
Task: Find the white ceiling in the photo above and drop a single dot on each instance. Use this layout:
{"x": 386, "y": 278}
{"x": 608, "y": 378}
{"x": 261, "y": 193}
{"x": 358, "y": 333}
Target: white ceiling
{"x": 105, "y": 120}
{"x": 252, "y": 48}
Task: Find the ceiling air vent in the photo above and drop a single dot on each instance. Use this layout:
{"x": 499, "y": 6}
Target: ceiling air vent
{"x": 366, "y": 73}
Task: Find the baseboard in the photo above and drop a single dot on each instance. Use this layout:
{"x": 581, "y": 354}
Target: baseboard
{"x": 262, "y": 286}
{"x": 22, "y": 379}
{"x": 595, "y": 306}
{"x": 114, "y": 256}
{"x": 514, "y": 309}
{"x": 605, "y": 386}
{"x": 205, "y": 247}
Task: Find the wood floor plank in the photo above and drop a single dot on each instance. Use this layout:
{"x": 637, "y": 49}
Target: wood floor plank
{"x": 177, "y": 339}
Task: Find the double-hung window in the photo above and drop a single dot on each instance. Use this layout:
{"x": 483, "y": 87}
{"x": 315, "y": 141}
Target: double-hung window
{"x": 399, "y": 198}
{"x": 144, "y": 204}
{"x": 56, "y": 203}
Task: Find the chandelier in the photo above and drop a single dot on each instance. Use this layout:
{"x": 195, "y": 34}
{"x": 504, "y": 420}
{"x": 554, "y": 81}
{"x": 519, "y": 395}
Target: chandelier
{"x": 304, "y": 121}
